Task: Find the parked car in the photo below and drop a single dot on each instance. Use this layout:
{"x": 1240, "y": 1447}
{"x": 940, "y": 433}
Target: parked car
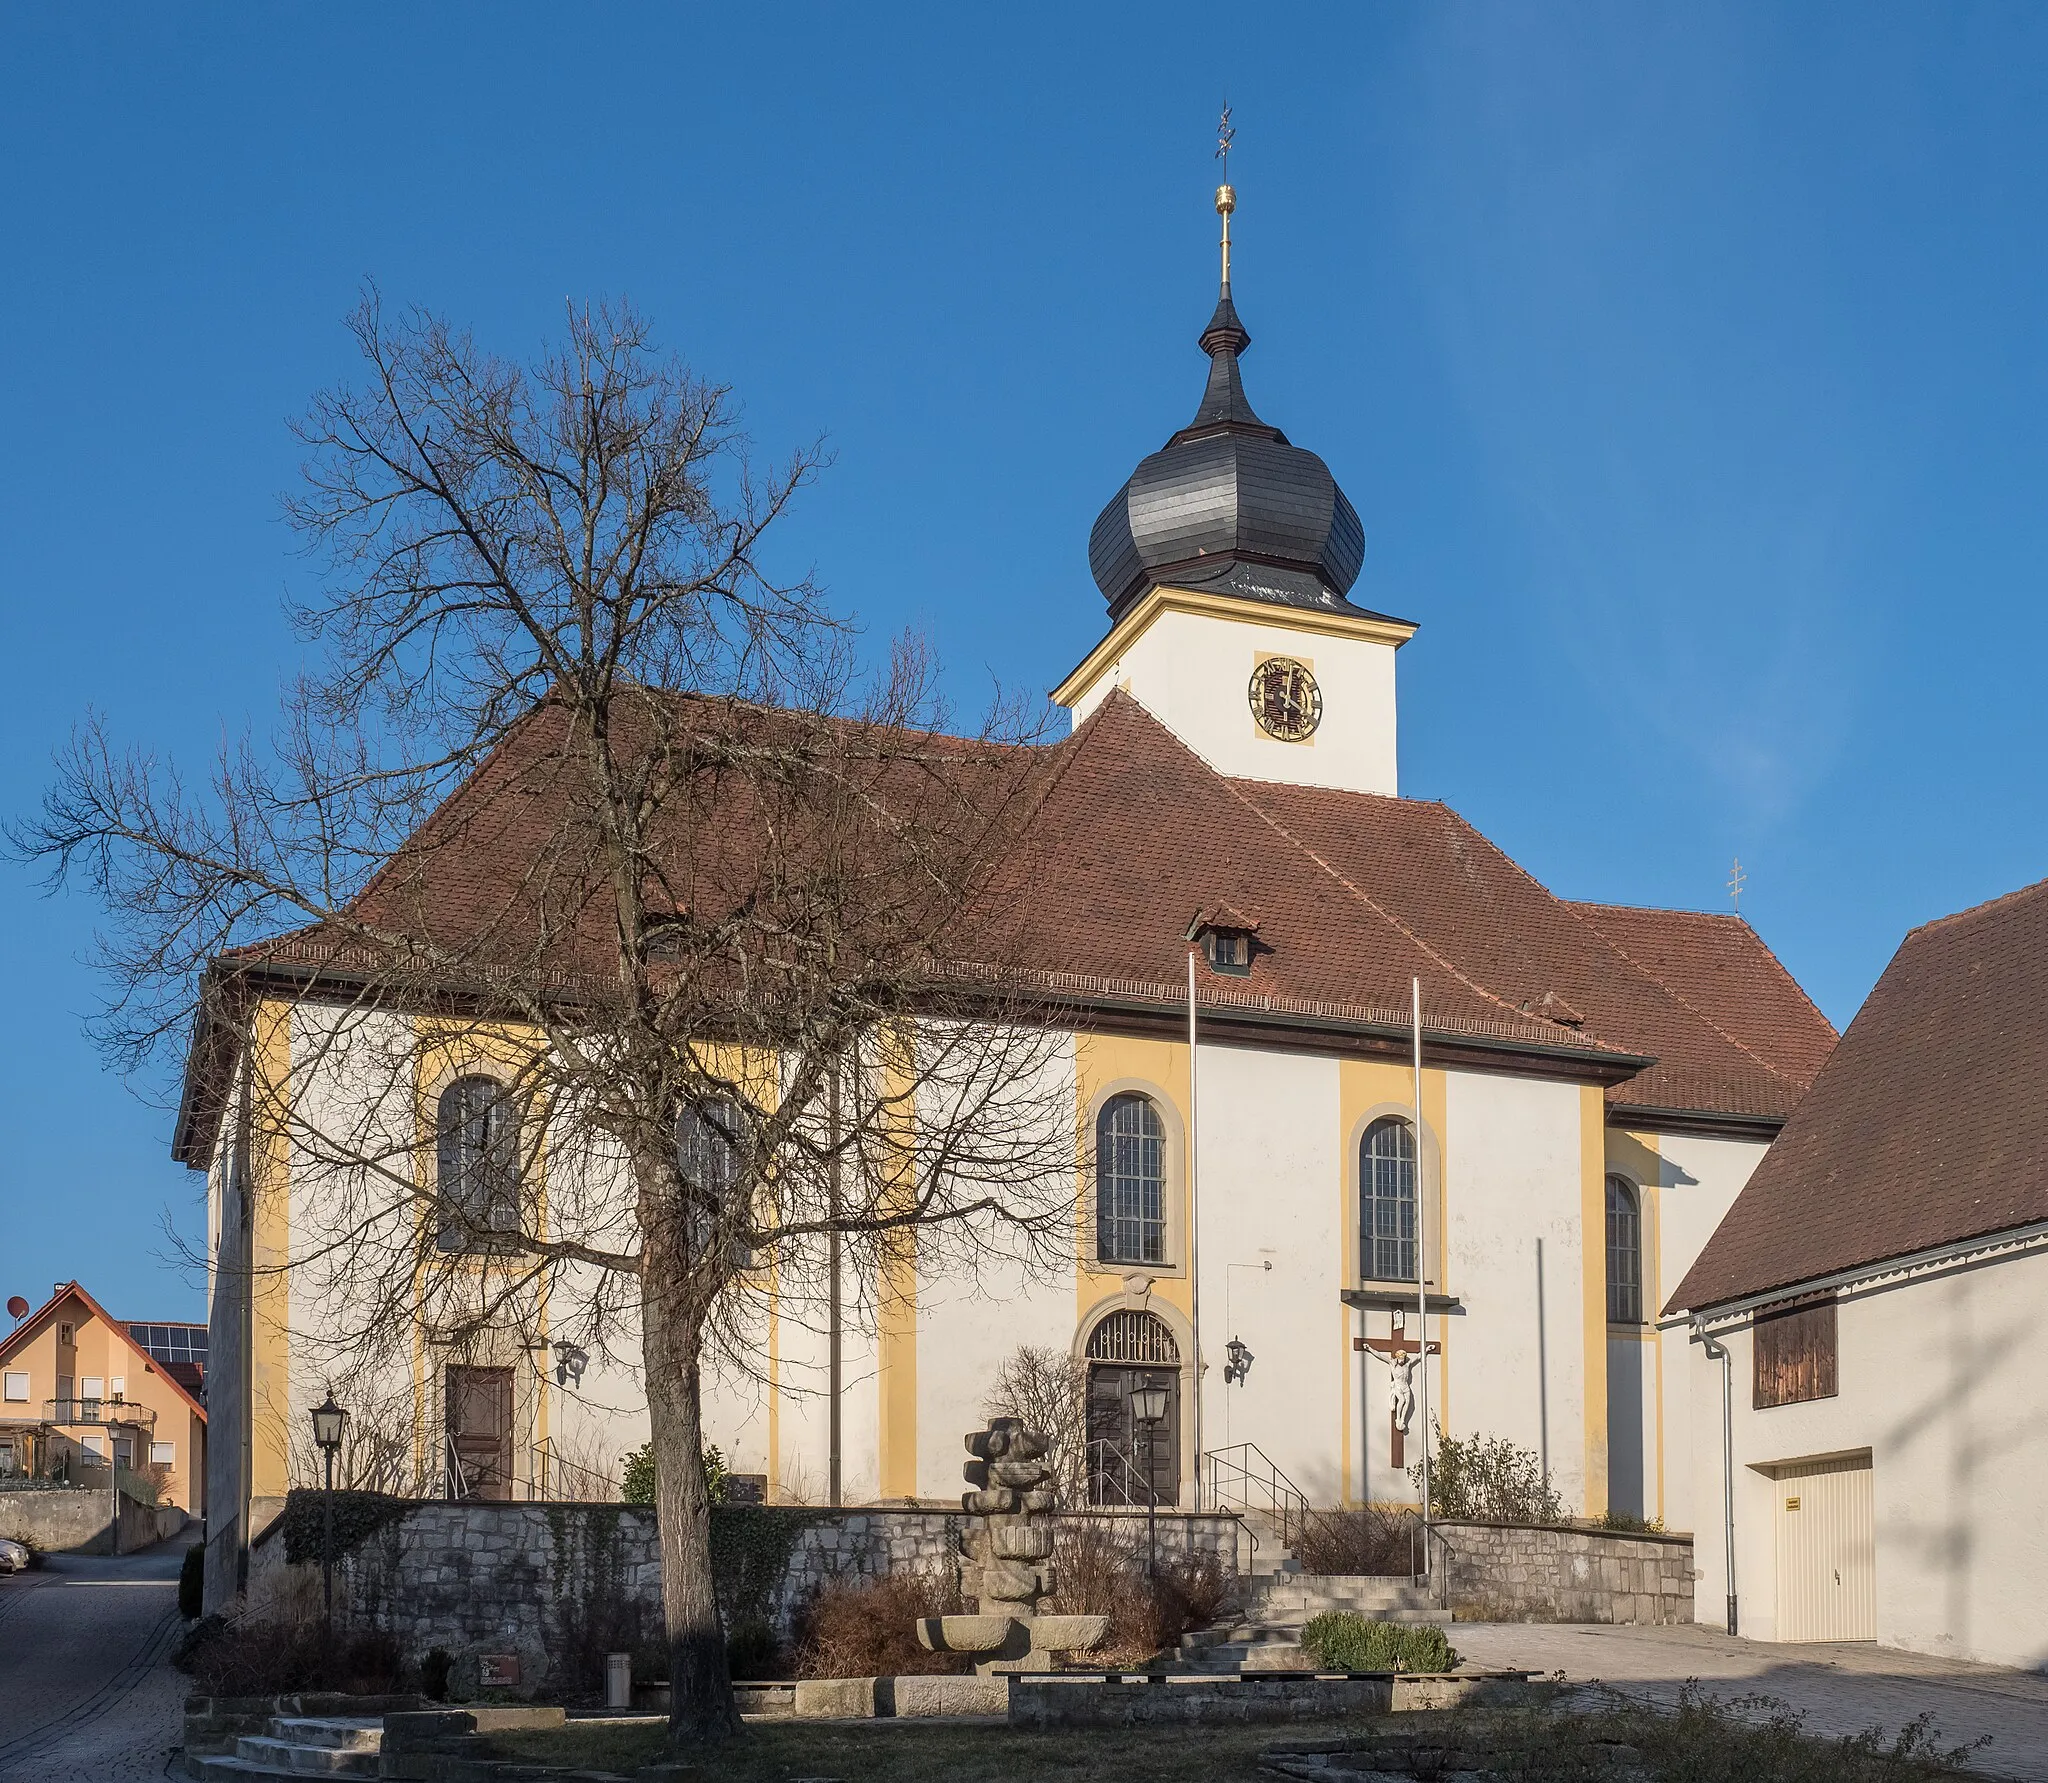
{"x": 13, "y": 1556}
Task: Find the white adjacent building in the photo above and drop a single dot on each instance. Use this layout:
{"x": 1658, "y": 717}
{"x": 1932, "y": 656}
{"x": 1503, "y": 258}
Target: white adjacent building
{"x": 1872, "y": 1308}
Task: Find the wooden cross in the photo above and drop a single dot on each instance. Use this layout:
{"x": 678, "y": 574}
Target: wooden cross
{"x": 1400, "y": 1344}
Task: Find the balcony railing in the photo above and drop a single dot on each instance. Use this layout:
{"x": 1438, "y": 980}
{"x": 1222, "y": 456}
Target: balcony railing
{"x": 106, "y": 1412}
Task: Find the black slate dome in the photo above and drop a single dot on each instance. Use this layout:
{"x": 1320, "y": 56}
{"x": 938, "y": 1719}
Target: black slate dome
{"x": 1229, "y": 505}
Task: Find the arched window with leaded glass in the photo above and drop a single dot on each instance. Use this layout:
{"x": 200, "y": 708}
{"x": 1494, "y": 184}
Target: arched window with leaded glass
{"x": 1386, "y": 1202}
{"x": 1130, "y": 1181}
{"x": 1624, "y": 1253}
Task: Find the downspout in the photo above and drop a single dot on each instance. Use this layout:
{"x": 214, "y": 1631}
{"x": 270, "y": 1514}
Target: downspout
{"x": 1717, "y": 1351}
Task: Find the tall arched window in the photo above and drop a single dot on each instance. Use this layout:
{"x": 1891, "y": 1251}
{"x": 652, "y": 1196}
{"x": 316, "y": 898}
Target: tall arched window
{"x": 1386, "y": 1202}
{"x": 476, "y": 1163}
{"x": 1624, "y": 1253}
{"x": 708, "y": 1139}
{"x": 1130, "y": 1182}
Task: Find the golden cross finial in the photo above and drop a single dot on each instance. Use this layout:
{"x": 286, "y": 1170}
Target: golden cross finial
{"x": 1737, "y": 879}
{"x": 1226, "y": 199}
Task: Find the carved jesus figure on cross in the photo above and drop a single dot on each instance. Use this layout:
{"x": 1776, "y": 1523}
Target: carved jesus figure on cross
{"x": 1403, "y": 1356}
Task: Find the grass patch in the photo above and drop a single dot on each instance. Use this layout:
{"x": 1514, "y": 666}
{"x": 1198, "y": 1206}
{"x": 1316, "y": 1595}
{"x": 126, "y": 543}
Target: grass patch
{"x": 933, "y": 1752}
{"x": 1751, "y": 1739}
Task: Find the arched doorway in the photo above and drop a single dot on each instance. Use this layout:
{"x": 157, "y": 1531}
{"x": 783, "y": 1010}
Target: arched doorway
{"x": 1127, "y": 1464}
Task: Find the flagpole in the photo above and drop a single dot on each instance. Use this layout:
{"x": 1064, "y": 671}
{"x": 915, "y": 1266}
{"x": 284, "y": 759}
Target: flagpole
{"x": 1421, "y": 1267}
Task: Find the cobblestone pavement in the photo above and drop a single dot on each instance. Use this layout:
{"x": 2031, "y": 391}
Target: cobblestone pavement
{"x": 85, "y": 1693}
{"x": 1842, "y": 1688}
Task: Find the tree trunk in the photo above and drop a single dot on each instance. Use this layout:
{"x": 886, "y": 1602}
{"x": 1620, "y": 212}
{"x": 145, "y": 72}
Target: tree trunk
{"x": 702, "y": 1706}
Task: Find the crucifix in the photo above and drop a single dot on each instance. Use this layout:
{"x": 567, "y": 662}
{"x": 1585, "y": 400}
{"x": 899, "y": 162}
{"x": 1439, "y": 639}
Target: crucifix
{"x": 1402, "y": 1355}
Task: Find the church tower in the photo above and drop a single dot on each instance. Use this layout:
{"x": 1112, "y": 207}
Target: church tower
{"x": 1226, "y": 560}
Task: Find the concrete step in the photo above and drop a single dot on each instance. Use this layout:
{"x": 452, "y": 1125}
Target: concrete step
{"x": 287, "y": 1758}
{"x": 344, "y": 1732}
{"x": 224, "y": 1768}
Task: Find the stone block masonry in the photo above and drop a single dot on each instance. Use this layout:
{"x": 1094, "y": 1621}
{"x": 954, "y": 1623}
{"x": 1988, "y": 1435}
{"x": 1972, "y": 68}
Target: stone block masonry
{"x": 557, "y": 1586}
{"x": 1499, "y": 1572}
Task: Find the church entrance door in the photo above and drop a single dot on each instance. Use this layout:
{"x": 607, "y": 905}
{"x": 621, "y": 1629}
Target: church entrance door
{"x": 480, "y": 1432}
{"x": 1127, "y": 1463}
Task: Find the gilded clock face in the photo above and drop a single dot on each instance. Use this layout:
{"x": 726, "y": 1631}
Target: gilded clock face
{"x": 1285, "y": 699}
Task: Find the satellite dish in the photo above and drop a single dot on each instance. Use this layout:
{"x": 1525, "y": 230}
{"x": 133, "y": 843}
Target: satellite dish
{"x": 17, "y": 1308}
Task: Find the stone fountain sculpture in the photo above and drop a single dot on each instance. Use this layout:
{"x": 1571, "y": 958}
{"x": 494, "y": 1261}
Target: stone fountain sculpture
{"x": 1010, "y": 1561}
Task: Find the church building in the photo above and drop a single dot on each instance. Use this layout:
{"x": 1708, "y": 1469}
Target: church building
{"x": 1249, "y": 914}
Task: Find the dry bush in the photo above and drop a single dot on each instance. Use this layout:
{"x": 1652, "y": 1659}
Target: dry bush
{"x": 269, "y": 1659}
{"x": 867, "y": 1628}
{"x": 1047, "y": 1390}
{"x": 1103, "y": 1570}
{"x": 1377, "y": 1541}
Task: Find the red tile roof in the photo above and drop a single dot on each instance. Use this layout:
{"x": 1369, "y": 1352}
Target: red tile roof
{"x": 1126, "y": 835}
{"x": 1928, "y": 1125}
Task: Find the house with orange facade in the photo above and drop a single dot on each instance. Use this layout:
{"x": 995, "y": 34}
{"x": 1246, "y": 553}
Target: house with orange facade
{"x": 86, "y": 1399}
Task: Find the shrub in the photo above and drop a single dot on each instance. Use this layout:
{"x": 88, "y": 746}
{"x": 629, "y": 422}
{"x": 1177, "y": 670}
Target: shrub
{"x": 192, "y": 1583}
{"x": 1628, "y": 1525}
{"x": 636, "y": 1475}
{"x": 1489, "y": 1479}
{"x": 867, "y": 1628}
{"x": 1345, "y": 1642}
{"x": 269, "y": 1659}
{"x": 1103, "y": 1571}
{"x": 1378, "y": 1541}
{"x": 434, "y": 1670}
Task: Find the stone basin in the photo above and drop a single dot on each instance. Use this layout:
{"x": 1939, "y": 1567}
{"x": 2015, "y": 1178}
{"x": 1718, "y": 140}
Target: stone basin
{"x": 964, "y": 1634}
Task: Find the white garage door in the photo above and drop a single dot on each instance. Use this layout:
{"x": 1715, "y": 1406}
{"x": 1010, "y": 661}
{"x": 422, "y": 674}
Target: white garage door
{"x": 1827, "y": 1553}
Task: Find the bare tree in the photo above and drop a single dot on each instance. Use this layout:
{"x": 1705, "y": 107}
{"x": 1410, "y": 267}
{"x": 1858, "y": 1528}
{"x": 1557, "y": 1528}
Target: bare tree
{"x": 599, "y": 934}
{"x": 1048, "y": 1390}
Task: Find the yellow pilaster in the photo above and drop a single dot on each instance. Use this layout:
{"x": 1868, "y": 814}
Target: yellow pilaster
{"x": 896, "y": 1298}
{"x": 270, "y": 1409}
{"x": 1593, "y": 1287}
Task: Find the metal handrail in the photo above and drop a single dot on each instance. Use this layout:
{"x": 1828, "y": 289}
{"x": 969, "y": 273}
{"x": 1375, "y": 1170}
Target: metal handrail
{"x": 1244, "y": 1475}
{"x": 1111, "y": 1468}
{"x": 544, "y": 1448}
{"x": 105, "y": 1411}
{"x": 454, "y": 1481}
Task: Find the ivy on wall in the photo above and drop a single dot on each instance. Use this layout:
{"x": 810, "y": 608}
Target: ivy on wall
{"x": 357, "y": 1517}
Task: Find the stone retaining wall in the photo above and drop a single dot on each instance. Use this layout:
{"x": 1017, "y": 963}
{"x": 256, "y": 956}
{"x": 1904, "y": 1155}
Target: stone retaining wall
{"x": 1502, "y": 1573}
{"x": 62, "y": 1520}
{"x": 559, "y": 1585}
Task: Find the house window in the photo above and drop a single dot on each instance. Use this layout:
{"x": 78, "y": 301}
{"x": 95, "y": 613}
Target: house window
{"x": 1624, "y": 1253}
{"x": 1795, "y": 1355}
{"x": 477, "y": 1163}
{"x": 1130, "y": 1182}
{"x": 162, "y": 1454}
{"x": 91, "y": 1386}
{"x": 117, "y": 1388}
{"x": 14, "y": 1387}
{"x": 93, "y": 1448}
{"x": 1386, "y": 1202}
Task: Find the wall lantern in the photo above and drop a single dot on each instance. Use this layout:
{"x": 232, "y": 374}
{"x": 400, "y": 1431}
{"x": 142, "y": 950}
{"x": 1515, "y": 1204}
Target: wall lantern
{"x": 1237, "y": 1361}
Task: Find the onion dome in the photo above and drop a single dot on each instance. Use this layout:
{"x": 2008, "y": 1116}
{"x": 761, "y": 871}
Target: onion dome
{"x": 1228, "y": 504}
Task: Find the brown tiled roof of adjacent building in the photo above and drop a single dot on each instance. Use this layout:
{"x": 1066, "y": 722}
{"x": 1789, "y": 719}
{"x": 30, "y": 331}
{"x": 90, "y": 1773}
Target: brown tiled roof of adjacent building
{"x": 1131, "y": 835}
{"x": 1928, "y": 1125}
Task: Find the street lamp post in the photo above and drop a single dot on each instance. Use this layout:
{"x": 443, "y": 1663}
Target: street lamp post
{"x": 328, "y": 1418}
{"x": 1148, "y": 1406}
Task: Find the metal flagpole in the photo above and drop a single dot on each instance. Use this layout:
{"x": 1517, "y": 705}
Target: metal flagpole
{"x": 1194, "y": 1231}
{"x": 1421, "y": 1270}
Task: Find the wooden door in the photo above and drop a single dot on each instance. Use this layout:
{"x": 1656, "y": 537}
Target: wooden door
{"x": 1122, "y": 1465}
{"x": 1826, "y": 1551}
{"x": 480, "y": 1431}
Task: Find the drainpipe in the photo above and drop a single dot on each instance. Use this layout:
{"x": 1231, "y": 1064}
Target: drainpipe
{"x": 1718, "y": 1352}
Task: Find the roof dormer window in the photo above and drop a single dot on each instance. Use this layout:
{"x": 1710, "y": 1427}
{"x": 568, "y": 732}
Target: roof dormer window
{"x": 1228, "y": 951}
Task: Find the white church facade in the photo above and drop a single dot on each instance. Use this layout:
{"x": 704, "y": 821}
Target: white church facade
{"x": 1256, "y": 1217}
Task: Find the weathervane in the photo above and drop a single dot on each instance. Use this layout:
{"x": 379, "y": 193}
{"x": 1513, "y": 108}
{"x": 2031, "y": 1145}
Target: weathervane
{"x": 1226, "y": 199}
{"x": 1737, "y": 879}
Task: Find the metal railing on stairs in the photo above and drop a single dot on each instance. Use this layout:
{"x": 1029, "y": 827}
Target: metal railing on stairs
{"x": 1114, "y": 1478}
{"x": 1243, "y": 1479}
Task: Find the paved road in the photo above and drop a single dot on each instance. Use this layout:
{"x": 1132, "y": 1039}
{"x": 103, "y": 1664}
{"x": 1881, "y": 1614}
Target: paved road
{"x": 85, "y": 1693}
{"x": 1842, "y": 1689}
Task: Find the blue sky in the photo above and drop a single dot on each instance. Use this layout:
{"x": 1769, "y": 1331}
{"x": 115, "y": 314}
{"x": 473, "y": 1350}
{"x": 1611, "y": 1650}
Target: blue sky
{"x": 1685, "y": 362}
